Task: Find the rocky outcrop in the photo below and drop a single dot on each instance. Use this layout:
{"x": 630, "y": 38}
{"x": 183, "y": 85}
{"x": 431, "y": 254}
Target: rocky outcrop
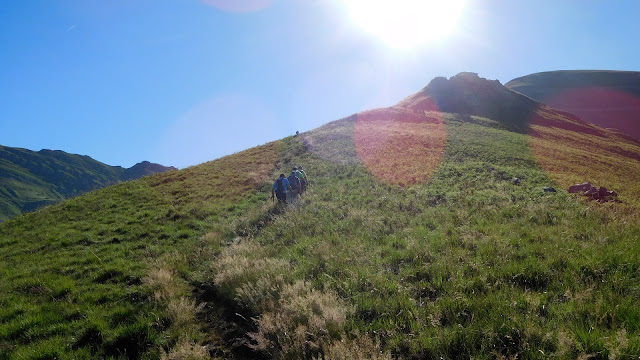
{"x": 600, "y": 194}
{"x": 468, "y": 93}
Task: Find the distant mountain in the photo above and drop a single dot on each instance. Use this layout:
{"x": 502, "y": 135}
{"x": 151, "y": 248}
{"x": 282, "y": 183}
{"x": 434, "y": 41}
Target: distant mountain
{"x": 143, "y": 169}
{"x": 609, "y": 99}
{"x": 29, "y": 179}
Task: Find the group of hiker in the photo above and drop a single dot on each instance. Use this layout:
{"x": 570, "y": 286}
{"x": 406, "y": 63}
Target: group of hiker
{"x": 288, "y": 189}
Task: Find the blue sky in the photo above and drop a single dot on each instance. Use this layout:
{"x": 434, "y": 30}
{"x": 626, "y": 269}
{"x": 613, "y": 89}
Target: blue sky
{"x": 182, "y": 82}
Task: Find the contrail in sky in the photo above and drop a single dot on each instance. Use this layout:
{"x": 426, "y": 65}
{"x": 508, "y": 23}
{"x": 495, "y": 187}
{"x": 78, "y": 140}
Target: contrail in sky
{"x": 72, "y": 27}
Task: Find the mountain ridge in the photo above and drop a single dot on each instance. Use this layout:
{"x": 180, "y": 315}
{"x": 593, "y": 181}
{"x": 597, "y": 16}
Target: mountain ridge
{"x": 467, "y": 93}
{"x": 30, "y": 179}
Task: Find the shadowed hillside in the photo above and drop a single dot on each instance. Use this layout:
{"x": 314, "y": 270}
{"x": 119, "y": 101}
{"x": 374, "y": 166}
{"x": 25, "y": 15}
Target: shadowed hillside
{"x": 413, "y": 241}
{"x": 467, "y": 93}
{"x": 610, "y": 99}
{"x": 29, "y": 180}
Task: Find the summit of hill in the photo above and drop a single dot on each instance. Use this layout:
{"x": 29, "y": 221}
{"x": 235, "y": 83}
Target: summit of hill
{"x": 468, "y": 93}
{"x": 429, "y": 230}
{"x": 144, "y": 168}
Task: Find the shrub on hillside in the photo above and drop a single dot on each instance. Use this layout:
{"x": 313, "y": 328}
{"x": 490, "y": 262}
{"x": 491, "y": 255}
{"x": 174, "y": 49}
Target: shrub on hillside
{"x": 303, "y": 324}
{"x": 362, "y": 347}
{"x": 242, "y": 264}
{"x": 186, "y": 350}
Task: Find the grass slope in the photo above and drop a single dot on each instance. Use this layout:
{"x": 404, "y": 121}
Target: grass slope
{"x": 462, "y": 263}
{"x": 574, "y": 152}
{"x": 22, "y": 191}
{"x": 610, "y": 99}
{"x": 466, "y": 265}
{"x": 72, "y": 274}
{"x": 29, "y": 180}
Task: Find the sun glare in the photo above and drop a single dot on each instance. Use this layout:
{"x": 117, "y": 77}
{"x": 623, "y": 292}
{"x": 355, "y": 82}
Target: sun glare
{"x": 407, "y": 24}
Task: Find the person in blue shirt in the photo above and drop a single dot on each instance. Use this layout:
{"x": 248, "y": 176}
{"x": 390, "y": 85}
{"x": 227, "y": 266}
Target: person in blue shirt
{"x": 280, "y": 189}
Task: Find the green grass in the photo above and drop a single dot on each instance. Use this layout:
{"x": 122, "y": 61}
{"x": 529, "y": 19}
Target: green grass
{"x": 466, "y": 264}
{"x": 72, "y": 274}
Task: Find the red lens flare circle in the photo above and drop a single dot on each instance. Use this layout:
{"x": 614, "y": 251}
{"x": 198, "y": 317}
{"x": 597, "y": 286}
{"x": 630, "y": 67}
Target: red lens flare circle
{"x": 573, "y": 151}
{"x": 606, "y": 107}
{"x": 400, "y": 146}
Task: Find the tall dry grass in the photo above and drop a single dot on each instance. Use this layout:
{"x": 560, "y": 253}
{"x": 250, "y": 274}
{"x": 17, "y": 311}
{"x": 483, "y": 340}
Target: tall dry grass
{"x": 185, "y": 350}
{"x": 172, "y": 295}
{"x": 294, "y": 320}
{"x": 357, "y": 348}
{"x": 302, "y": 324}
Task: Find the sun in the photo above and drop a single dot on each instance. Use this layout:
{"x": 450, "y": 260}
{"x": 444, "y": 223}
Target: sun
{"x": 407, "y": 24}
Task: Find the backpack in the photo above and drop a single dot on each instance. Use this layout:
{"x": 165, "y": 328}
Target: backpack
{"x": 294, "y": 182}
{"x": 280, "y": 186}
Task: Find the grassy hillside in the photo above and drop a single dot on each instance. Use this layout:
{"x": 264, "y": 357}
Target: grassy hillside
{"x": 388, "y": 255}
{"x": 610, "y": 99}
{"x": 73, "y": 274}
{"x": 29, "y": 180}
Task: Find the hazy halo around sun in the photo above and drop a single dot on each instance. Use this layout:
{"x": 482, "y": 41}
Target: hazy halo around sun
{"x": 407, "y": 24}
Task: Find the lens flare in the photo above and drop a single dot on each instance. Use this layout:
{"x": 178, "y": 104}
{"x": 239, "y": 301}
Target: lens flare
{"x": 602, "y": 106}
{"x": 406, "y": 24}
{"x": 400, "y": 146}
{"x": 573, "y": 151}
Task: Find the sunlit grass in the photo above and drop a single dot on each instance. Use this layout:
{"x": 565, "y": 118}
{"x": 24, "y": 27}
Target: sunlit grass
{"x": 464, "y": 263}
{"x": 572, "y": 157}
{"x": 467, "y": 265}
{"x": 399, "y": 146}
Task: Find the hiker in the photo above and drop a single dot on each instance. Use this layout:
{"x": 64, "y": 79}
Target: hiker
{"x": 280, "y": 188}
{"x": 294, "y": 184}
{"x": 303, "y": 180}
